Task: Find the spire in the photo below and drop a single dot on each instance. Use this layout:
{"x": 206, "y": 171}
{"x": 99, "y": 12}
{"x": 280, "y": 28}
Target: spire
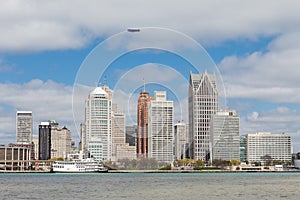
{"x": 144, "y": 85}
{"x": 105, "y": 80}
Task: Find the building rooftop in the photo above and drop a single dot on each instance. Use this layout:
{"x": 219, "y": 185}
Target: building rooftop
{"x": 98, "y": 90}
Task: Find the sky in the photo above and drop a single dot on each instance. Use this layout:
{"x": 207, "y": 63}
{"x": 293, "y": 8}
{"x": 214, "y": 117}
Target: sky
{"x": 45, "y": 46}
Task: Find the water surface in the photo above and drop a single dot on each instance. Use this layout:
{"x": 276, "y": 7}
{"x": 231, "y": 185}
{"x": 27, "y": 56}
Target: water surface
{"x": 151, "y": 186}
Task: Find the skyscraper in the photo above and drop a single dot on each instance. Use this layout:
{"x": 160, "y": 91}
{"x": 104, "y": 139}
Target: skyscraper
{"x": 142, "y": 122}
{"x": 181, "y": 138}
{"x": 44, "y": 141}
{"x": 98, "y": 138}
{"x": 24, "y": 127}
{"x": 225, "y": 135}
{"x": 160, "y": 128}
{"x": 203, "y": 103}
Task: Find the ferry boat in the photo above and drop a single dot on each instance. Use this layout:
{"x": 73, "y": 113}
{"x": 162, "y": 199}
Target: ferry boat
{"x": 82, "y": 166}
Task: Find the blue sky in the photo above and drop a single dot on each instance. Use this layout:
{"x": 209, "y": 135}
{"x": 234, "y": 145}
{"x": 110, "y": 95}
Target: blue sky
{"x": 256, "y": 51}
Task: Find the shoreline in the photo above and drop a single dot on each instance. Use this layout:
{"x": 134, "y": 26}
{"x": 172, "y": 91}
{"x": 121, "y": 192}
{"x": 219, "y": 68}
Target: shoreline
{"x": 155, "y": 171}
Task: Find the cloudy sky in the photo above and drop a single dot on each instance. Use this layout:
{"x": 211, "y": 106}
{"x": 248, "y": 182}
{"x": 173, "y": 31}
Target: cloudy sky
{"x": 255, "y": 45}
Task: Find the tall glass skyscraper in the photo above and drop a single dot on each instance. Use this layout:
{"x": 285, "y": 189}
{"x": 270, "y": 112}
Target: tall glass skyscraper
{"x": 98, "y": 138}
{"x": 203, "y": 103}
{"x": 160, "y": 128}
{"x": 24, "y": 127}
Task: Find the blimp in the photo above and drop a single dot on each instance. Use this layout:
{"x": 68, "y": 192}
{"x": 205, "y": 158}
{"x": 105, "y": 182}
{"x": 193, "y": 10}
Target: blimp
{"x": 133, "y": 30}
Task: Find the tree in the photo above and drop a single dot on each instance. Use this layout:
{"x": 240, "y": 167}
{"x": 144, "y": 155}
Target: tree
{"x": 199, "y": 163}
{"x": 234, "y": 162}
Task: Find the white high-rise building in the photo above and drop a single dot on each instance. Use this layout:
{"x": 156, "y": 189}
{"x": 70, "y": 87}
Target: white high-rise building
{"x": 181, "y": 139}
{"x": 24, "y": 127}
{"x": 264, "y": 147}
{"x": 225, "y": 136}
{"x": 160, "y": 128}
{"x": 98, "y": 138}
{"x": 203, "y": 103}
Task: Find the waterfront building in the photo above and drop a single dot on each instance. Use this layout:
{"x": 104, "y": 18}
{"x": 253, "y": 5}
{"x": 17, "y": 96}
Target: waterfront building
{"x": 181, "y": 138}
{"x": 125, "y": 151}
{"x": 61, "y": 140}
{"x": 118, "y": 132}
{"x": 160, "y": 128}
{"x": 142, "y": 123}
{"x": 266, "y": 147}
{"x": 243, "y": 148}
{"x": 44, "y": 141}
{"x": 131, "y": 133}
{"x": 25, "y": 146}
{"x": 24, "y": 127}
{"x": 98, "y": 131}
{"x": 35, "y": 141}
{"x": 14, "y": 158}
{"x": 225, "y": 136}
{"x": 203, "y": 104}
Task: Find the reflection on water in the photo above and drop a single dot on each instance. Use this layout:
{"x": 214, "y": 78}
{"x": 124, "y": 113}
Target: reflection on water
{"x": 151, "y": 186}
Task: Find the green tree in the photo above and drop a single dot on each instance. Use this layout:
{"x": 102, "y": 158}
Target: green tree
{"x": 234, "y": 162}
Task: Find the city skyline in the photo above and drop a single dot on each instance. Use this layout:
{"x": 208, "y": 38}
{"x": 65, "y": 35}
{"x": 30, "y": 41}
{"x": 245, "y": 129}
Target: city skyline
{"x": 256, "y": 54}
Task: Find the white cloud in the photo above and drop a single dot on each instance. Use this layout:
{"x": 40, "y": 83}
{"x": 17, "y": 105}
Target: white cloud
{"x": 47, "y": 100}
{"x": 278, "y": 120}
{"x": 40, "y": 25}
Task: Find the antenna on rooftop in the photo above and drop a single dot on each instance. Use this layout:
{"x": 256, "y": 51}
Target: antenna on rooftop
{"x": 105, "y": 80}
{"x": 144, "y": 85}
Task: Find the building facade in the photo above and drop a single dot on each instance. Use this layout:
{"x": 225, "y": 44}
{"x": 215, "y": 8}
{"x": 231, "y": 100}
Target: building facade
{"x": 203, "y": 104}
{"x": 25, "y": 146}
{"x": 61, "y": 139}
{"x": 24, "y": 127}
{"x": 266, "y": 147}
{"x": 131, "y": 133}
{"x": 181, "y": 138}
{"x": 225, "y": 136}
{"x": 160, "y": 128}
{"x": 118, "y": 133}
{"x": 142, "y": 123}
{"x": 14, "y": 158}
{"x": 243, "y": 148}
{"x": 98, "y": 131}
{"x": 44, "y": 141}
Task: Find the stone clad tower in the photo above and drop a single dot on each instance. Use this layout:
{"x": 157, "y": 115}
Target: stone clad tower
{"x": 203, "y": 104}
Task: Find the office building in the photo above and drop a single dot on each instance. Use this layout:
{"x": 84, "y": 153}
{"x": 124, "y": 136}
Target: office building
{"x": 98, "y": 127}
{"x": 181, "y": 138}
{"x": 243, "y": 148}
{"x": 118, "y": 133}
{"x": 131, "y": 133}
{"x": 203, "y": 104}
{"x": 142, "y": 123}
{"x": 266, "y": 147}
{"x": 225, "y": 136}
{"x": 24, "y": 127}
{"x": 61, "y": 139}
{"x": 44, "y": 141}
{"x": 160, "y": 128}
{"x": 35, "y": 141}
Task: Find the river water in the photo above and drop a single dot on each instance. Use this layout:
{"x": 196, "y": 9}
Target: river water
{"x": 151, "y": 186}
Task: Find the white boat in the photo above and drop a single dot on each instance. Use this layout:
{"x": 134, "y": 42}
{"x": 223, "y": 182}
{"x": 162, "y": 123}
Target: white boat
{"x": 82, "y": 166}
